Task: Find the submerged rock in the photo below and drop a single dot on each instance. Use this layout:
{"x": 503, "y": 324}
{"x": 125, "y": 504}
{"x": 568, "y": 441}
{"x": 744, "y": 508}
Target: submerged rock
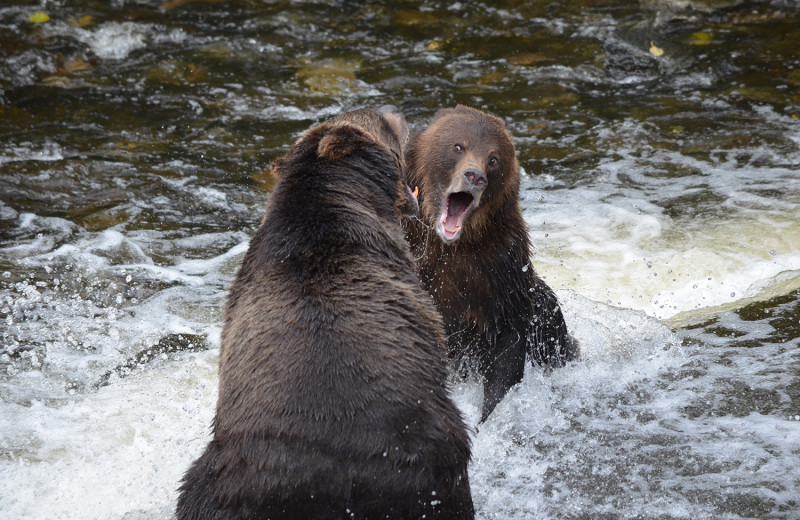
{"x": 627, "y": 63}
{"x": 328, "y": 76}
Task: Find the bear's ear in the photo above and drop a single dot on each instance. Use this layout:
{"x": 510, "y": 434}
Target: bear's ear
{"x": 341, "y": 140}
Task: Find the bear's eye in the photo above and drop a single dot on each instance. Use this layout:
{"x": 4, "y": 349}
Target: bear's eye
{"x": 458, "y": 148}
{"x": 493, "y": 161}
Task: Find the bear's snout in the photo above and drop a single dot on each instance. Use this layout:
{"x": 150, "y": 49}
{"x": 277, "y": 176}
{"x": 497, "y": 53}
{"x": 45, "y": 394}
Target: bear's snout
{"x": 476, "y": 179}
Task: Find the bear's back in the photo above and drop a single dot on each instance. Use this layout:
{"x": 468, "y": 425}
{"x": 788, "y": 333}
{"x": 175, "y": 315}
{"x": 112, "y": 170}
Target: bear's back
{"x": 332, "y": 386}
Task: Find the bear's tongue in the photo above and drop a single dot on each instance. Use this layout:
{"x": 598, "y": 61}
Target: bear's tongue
{"x": 457, "y": 204}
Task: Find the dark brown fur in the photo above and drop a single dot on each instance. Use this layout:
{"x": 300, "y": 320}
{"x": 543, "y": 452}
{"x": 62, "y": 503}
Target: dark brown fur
{"x": 333, "y": 401}
{"x": 478, "y": 269}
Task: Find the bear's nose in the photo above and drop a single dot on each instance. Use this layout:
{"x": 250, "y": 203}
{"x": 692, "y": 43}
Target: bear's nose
{"x": 477, "y": 179}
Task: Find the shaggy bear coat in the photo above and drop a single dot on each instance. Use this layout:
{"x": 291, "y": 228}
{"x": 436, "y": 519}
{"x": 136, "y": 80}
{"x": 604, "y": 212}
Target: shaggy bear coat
{"x": 473, "y": 253}
{"x": 333, "y": 401}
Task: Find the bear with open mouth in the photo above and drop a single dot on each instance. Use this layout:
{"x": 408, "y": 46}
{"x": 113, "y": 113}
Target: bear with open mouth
{"x": 472, "y": 251}
{"x": 333, "y": 399}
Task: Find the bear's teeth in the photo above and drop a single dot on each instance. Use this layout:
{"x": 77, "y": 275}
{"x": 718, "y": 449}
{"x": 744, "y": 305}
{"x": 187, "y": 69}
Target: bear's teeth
{"x": 453, "y": 230}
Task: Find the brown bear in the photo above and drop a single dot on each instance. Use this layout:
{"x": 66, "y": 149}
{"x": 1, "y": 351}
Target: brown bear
{"x": 473, "y": 253}
{"x": 333, "y": 401}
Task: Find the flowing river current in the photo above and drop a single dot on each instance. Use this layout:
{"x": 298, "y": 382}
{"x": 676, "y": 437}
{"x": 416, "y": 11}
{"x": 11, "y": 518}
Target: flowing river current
{"x": 660, "y": 148}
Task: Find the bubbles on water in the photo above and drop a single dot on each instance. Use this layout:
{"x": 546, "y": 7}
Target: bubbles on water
{"x": 115, "y": 40}
{"x": 552, "y": 431}
{"x": 75, "y": 315}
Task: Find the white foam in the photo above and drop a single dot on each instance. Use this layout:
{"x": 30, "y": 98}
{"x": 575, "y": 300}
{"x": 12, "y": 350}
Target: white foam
{"x": 217, "y": 263}
{"x": 532, "y": 432}
{"x": 609, "y": 243}
{"x": 611, "y": 426}
{"x": 7, "y": 212}
{"x": 117, "y": 40}
{"x": 211, "y": 196}
{"x": 107, "y": 454}
{"x": 48, "y": 151}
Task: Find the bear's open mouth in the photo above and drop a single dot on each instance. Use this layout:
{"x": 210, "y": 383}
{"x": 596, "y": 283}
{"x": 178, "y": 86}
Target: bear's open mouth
{"x": 456, "y": 208}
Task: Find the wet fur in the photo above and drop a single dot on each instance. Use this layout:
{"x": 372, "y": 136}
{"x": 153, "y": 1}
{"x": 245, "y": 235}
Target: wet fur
{"x": 333, "y": 401}
{"x": 495, "y": 309}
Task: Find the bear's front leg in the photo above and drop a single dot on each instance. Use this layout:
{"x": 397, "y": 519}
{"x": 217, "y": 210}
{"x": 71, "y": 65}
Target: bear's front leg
{"x": 502, "y": 365}
{"x": 551, "y": 345}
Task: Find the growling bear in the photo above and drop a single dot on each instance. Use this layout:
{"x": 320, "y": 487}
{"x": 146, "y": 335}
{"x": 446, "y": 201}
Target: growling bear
{"x": 332, "y": 395}
{"x": 473, "y": 253}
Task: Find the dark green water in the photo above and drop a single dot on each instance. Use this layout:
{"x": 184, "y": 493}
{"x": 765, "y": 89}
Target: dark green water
{"x": 662, "y": 195}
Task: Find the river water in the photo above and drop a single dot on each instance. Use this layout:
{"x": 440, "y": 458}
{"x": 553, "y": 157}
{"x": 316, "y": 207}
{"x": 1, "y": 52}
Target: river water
{"x": 662, "y": 195}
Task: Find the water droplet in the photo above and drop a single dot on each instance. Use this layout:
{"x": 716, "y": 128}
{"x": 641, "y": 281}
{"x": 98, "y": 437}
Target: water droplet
{"x": 772, "y": 252}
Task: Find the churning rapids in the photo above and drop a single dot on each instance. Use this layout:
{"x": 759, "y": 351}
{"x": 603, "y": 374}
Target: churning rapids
{"x": 660, "y": 142}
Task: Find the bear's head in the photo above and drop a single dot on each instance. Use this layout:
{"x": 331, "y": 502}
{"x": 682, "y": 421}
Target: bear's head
{"x": 466, "y": 169}
{"x": 367, "y": 135}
